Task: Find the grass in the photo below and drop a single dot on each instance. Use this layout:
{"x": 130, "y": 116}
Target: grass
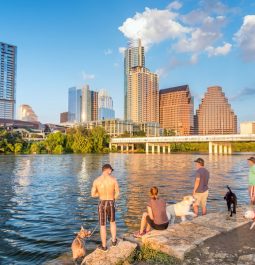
{"x": 151, "y": 256}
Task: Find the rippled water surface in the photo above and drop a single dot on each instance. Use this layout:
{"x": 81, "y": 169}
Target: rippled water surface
{"x": 44, "y": 199}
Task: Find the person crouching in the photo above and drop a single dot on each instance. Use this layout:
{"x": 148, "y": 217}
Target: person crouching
{"x": 155, "y": 217}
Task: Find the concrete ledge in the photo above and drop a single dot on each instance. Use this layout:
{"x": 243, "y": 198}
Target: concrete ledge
{"x": 113, "y": 256}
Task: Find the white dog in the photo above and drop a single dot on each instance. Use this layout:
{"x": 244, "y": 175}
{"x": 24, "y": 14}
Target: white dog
{"x": 251, "y": 216}
{"x": 180, "y": 209}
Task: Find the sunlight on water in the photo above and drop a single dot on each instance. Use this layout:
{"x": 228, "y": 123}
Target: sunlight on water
{"x": 44, "y": 199}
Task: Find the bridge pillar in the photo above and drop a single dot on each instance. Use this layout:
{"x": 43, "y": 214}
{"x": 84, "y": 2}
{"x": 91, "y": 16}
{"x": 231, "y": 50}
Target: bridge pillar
{"x": 121, "y": 148}
{"x": 225, "y": 149}
{"x": 164, "y": 149}
{"x": 220, "y": 149}
{"x": 147, "y": 148}
{"x": 229, "y": 149}
{"x": 210, "y": 147}
{"x": 158, "y": 149}
{"x": 152, "y": 148}
{"x": 169, "y": 149}
{"x": 132, "y": 147}
{"x": 215, "y": 148}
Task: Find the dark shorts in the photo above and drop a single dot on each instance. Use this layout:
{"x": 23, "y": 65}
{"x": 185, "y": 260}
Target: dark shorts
{"x": 156, "y": 226}
{"x": 106, "y": 210}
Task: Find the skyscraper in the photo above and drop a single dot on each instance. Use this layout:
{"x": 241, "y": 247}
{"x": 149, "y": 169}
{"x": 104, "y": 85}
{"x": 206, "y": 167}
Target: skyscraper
{"x": 94, "y": 105}
{"x": 105, "y": 106}
{"x": 26, "y": 113}
{"x": 143, "y": 95}
{"x": 85, "y": 104}
{"x": 8, "y": 61}
{"x": 214, "y": 115}
{"x": 177, "y": 110}
{"x": 72, "y": 104}
{"x": 134, "y": 56}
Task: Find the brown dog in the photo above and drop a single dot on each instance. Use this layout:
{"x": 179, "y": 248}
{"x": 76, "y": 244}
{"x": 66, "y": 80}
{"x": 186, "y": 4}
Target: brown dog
{"x": 78, "y": 245}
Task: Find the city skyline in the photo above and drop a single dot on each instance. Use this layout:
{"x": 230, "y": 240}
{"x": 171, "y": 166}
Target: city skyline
{"x": 202, "y": 44}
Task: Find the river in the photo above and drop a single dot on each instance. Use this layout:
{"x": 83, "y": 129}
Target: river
{"x": 45, "y": 198}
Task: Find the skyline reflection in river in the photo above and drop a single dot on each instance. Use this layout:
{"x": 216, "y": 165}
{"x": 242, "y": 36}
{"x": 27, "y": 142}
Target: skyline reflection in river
{"x": 45, "y": 198}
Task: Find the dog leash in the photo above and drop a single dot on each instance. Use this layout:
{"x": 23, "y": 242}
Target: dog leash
{"x": 93, "y": 231}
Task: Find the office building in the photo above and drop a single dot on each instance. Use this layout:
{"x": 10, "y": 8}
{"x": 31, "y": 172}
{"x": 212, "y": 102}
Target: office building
{"x": 105, "y": 106}
{"x": 26, "y": 113}
{"x": 177, "y": 110}
{"x": 143, "y": 95}
{"x": 85, "y": 104}
{"x": 8, "y": 62}
{"x": 247, "y": 127}
{"x": 214, "y": 115}
{"x": 94, "y": 105}
{"x": 63, "y": 117}
{"x": 134, "y": 57}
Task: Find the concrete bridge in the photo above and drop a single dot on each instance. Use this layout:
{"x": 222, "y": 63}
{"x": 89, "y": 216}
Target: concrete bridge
{"x": 217, "y": 143}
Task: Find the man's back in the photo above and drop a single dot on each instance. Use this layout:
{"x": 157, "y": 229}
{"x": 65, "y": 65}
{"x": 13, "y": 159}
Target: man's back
{"x": 106, "y": 187}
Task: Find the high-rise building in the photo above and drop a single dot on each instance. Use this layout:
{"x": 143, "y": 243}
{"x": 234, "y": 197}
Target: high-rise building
{"x": 247, "y": 127}
{"x": 8, "y": 61}
{"x": 26, "y": 113}
{"x": 85, "y": 104}
{"x": 214, "y": 115}
{"x": 94, "y": 105}
{"x": 63, "y": 117}
{"x": 72, "y": 104}
{"x": 143, "y": 95}
{"x": 177, "y": 110}
{"x": 105, "y": 106}
{"x": 134, "y": 56}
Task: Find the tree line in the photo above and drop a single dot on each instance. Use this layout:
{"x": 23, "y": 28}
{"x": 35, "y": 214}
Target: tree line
{"x": 76, "y": 140}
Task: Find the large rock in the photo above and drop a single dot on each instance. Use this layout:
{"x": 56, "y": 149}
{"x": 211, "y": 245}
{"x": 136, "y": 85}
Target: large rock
{"x": 178, "y": 239}
{"x": 114, "y": 255}
{"x": 246, "y": 260}
{"x": 222, "y": 221}
{"x": 64, "y": 259}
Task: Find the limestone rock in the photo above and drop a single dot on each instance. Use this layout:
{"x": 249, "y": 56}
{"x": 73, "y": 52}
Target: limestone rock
{"x": 178, "y": 239}
{"x": 246, "y": 260}
{"x": 113, "y": 256}
{"x": 221, "y": 221}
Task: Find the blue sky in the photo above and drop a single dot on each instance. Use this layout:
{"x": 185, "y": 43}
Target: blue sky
{"x": 62, "y": 43}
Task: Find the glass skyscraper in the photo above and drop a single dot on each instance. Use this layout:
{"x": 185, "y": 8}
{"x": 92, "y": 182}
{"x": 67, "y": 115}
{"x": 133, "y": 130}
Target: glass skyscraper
{"x": 8, "y": 62}
{"x": 134, "y": 57}
{"x": 105, "y": 106}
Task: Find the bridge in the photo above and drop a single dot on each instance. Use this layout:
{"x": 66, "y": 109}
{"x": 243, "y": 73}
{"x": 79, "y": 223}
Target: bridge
{"x": 217, "y": 143}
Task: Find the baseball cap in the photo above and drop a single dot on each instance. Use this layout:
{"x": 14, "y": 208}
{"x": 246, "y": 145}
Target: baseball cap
{"x": 107, "y": 166}
{"x": 252, "y": 159}
{"x": 200, "y": 161}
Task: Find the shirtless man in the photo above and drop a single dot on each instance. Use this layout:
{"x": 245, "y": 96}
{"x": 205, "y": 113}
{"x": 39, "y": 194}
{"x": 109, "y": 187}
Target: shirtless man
{"x": 107, "y": 189}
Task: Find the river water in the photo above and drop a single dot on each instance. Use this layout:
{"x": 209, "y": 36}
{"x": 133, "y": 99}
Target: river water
{"x": 45, "y": 198}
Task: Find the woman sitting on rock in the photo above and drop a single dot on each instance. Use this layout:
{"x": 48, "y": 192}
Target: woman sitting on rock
{"x": 155, "y": 217}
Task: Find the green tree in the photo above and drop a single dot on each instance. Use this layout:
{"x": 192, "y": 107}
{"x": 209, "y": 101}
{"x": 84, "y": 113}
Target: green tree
{"x": 53, "y": 140}
{"x": 18, "y": 148}
{"x": 82, "y": 143}
{"x": 99, "y": 139}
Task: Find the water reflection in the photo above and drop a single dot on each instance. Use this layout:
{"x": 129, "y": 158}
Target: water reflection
{"x": 44, "y": 199}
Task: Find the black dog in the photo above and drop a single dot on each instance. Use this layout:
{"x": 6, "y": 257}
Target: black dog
{"x": 231, "y": 199}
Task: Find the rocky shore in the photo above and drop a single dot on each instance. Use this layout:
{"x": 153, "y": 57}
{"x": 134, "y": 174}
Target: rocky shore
{"x": 212, "y": 239}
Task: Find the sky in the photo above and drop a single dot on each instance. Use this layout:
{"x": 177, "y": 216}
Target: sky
{"x": 65, "y": 43}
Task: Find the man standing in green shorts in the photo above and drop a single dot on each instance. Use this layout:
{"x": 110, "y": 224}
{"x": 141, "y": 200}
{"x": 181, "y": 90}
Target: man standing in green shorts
{"x": 200, "y": 191}
{"x": 251, "y": 162}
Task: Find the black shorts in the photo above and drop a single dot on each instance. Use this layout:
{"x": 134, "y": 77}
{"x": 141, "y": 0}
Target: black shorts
{"x": 156, "y": 226}
{"x": 106, "y": 210}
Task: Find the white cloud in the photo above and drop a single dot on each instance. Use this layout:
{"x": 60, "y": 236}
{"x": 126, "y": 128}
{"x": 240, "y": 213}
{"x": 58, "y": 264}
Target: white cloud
{"x": 107, "y": 52}
{"x": 153, "y": 26}
{"x": 221, "y": 50}
{"x": 87, "y": 76}
{"x": 174, "y": 5}
{"x": 198, "y": 41}
{"x": 245, "y": 38}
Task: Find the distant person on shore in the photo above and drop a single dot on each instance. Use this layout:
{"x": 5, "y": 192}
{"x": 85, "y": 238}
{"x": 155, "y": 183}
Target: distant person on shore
{"x": 107, "y": 189}
{"x": 251, "y": 162}
{"x": 155, "y": 217}
{"x": 200, "y": 191}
